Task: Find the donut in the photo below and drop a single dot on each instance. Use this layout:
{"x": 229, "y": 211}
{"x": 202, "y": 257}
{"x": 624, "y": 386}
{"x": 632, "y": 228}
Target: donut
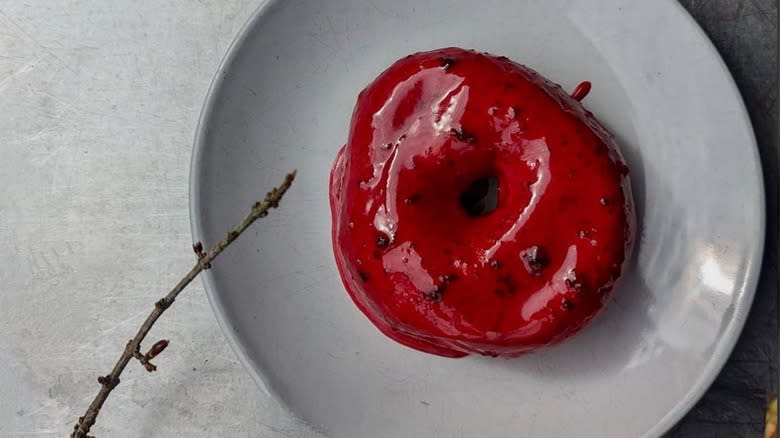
{"x": 477, "y": 208}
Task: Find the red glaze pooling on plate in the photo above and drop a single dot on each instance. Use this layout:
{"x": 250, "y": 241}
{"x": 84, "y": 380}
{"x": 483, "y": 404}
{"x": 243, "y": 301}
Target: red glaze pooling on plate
{"x": 580, "y": 91}
{"x": 477, "y": 208}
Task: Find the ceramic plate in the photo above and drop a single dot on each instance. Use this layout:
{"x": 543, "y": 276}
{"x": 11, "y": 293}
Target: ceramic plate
{"x": 282, "y": 100}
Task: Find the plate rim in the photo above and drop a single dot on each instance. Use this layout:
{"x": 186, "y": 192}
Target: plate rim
{"x": 720, "y": 354}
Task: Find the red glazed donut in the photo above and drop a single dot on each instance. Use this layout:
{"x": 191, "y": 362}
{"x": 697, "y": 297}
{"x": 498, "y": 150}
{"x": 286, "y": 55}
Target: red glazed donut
{"x": 477, "y": 208}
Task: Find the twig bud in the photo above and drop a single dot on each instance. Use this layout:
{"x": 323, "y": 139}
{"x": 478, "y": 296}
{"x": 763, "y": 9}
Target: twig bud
{"x": 156, "y": 349}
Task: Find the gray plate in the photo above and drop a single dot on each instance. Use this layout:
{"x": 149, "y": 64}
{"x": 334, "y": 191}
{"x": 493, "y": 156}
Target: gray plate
{"x": 282, "y": 100}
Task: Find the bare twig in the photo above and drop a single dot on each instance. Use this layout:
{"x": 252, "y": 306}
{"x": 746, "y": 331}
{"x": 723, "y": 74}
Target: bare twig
{"x": 133, "y": 347}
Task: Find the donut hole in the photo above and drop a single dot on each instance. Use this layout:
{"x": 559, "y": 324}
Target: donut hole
{"x": 480, "y": 198}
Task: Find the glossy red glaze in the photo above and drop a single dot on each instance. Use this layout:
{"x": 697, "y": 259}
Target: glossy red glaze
{"x": 580, "y": 91}
{"x": 433, "y": 276}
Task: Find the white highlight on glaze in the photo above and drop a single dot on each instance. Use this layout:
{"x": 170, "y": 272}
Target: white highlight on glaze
{"x": 454, "y": 111}
{"x": 393, "y": 262}
{"x": 437, "y": 90}
{"x": 537, "y": 157}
